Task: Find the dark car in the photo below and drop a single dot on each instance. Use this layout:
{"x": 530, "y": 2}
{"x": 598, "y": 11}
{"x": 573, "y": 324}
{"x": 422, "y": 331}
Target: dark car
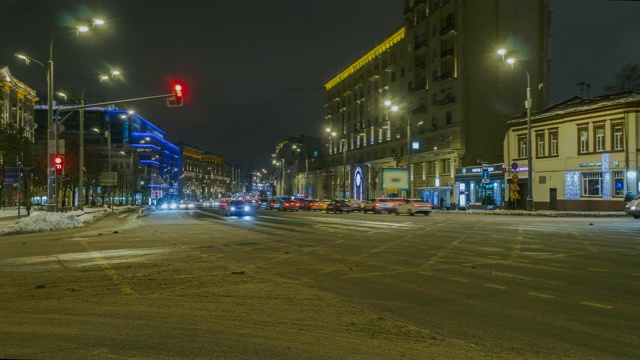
{"x": 239, "y": 208}
{"x": 339, "y": 206}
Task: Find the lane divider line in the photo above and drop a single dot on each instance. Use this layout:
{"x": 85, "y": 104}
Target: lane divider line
{"x": 125, "y": 289}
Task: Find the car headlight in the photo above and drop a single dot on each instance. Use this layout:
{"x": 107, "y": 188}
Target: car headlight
{"x": 233, "y": 208}
{"x": 633, "y": 207}
{"x": 164, "y": 206}
{"x": 246, "y": 208}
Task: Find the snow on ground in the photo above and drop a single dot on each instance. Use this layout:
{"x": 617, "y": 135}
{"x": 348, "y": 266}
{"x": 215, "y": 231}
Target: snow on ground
{"x": 40, "y": 221}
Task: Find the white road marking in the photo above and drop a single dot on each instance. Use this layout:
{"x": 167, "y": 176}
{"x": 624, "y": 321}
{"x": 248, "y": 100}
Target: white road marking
{"x": 596, "y": 305}
{"x": 541, "y": 295}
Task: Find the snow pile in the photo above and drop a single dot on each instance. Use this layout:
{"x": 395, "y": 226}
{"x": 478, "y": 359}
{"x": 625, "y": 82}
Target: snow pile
{"x": 40, "y": 221}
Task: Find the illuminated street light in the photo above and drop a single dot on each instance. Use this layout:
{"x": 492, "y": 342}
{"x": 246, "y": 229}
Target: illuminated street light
{"x": 530, "y": 202}
{"x": 395, "y": 108}
{"x": 81, "y": 129}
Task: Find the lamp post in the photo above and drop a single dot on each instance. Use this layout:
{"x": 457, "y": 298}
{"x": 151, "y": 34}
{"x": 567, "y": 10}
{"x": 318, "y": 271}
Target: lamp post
{"x": 107, "y": 134}
{"x": 306, "y": 171}
{"x": 395, "y": 108}
{"x": 527, "y": 104}
{"x": 81, "y": 129}
{"x": 51, "y": 176}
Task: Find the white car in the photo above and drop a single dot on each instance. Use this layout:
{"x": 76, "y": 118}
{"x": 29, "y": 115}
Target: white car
{"x": 633, "y": 208}
{"x": 414, "y": 206}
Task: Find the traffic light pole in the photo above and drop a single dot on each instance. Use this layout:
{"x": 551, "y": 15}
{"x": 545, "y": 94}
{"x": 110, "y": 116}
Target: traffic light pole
{"x": 70, "y": 109}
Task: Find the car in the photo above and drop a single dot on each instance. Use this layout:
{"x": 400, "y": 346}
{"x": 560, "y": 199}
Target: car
{"x": 339, "y": 206}
{"x": 413, "y": 206}
{"x": 239, "y": 208}
{"x": 289, "y": 205}
{"x": 187, "y": 205}
{"x": 314, "y": 205}
{"x": 633, "y": 208}
{"x": 357, "y": 205}
{"x": 378, "y": 206}
{"x": 264, "y": 204}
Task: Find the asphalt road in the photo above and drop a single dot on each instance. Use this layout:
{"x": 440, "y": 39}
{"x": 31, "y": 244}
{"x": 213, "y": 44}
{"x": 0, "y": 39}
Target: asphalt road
{"x": 192, "y": 284}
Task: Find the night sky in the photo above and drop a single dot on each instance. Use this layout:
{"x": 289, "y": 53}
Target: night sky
{"x": 255, "y": 69}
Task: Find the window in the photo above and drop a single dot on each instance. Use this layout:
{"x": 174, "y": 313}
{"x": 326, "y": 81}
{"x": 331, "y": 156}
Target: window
{"x": 599, "y": 138}
{"x": 434, "y": 29}
{"x": 617, "y": 137}
{"x": 541, "y": 143}
{"x": 618, "y": 183}
{"x": 553, "y": 143}
{"x": 449, "y": 117}
{"x": 522, "y": 147}
{"x": 583, "y": 136}
{"x": 592, "y": 184}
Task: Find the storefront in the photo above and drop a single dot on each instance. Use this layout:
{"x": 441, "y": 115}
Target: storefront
{"x": 480, "y": 186}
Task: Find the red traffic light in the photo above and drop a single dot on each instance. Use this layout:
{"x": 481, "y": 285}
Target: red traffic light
{"x": 58, "y": 163}
{"x": 178, "y": 91}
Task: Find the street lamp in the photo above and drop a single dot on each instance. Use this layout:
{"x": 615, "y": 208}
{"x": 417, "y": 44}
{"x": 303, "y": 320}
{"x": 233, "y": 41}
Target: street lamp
{"x": 395, "y": 108}
{"x": 81, "y": 129}
{"x": 51, "y": 177}
{"x": 306, "y": 172}
{"x": 527, "y": 104}
{"x": 107, "y": 134}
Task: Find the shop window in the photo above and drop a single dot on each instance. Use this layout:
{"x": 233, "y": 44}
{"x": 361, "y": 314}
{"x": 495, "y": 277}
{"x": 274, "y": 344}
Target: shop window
{"x": 592, "y": 184}
{"x": 618, "y": 183}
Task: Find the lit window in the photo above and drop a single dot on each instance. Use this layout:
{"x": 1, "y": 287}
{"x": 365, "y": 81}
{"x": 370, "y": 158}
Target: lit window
{"x": 618, "y": 183}
{"x": 592, "y": 184}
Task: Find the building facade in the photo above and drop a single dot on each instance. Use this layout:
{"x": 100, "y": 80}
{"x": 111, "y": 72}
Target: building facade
{"x": 17, "y": 131}
{"x": 432, "y": 98}
{"x": 585, "y": 154}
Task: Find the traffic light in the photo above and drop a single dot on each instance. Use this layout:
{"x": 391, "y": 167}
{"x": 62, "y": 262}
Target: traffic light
{"x": 178, "y": 90}
{"x": 58, "y": 163}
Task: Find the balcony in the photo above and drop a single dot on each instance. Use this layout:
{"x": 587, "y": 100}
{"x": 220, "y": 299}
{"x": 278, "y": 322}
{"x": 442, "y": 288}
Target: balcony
{"x": 389, "y": 65}
{"x": 373, "y": 75}
{"x": 446, "y": 75}
{"x": 419, "y": 110}
{"x": 449, "y": 99}
{"x": 446, "y": 53}
{"x": 419, "y": 87}
{"x": 420, "y": 45}
{"x": 448, "y": 28}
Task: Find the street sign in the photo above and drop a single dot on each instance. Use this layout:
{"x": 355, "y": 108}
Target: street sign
{"x": 11, "y": 175}
{"x": 515, "y": 196}
{"x": 515, "y": 178}
{"x": 514, "y": 166}
{"x": 485, "y": 176}
{"x": 515, "y": 187}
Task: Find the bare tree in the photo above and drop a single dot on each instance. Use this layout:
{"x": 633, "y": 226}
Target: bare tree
{"x": 627, "y": 79}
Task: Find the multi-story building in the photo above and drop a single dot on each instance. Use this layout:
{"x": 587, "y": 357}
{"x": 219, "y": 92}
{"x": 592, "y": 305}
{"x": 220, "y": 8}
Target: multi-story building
{"x": 295, "y": 159}
{"x": 17, "y": 127}
{"x": 584, "y": 154}
{"x": 216, "y": 176}
{"x": 434, "y": 97}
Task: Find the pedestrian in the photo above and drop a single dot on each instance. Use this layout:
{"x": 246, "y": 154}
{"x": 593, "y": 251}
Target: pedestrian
{"x": 441, "y": 203}
{"x": 28, "y": 208}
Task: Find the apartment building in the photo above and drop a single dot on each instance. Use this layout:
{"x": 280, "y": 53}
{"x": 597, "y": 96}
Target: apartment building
{"x": 434, "y": 97}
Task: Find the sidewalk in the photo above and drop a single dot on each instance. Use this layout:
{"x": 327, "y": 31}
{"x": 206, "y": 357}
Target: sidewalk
{"x": 549, "y": 213}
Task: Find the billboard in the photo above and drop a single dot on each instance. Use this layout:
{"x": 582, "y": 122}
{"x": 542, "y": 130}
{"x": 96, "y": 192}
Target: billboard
{"x": 395, "y": 178}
